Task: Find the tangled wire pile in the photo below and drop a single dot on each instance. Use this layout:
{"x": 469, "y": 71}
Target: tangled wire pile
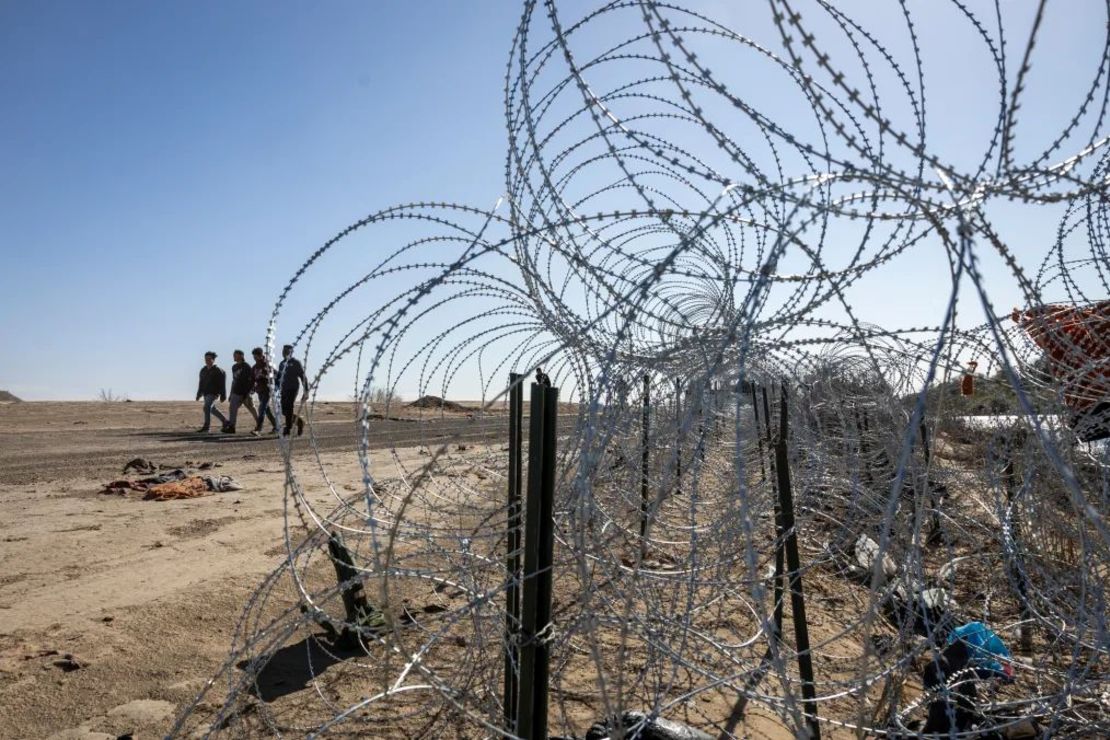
{"x": 713, "y": 225}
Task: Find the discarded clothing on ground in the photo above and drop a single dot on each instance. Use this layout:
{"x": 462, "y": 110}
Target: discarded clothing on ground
{"x": 865, "y": 554}
{"x": 986, "y": 651}
{"x": 167, "y": 477}
{"x": 655, "y": 728}
{"x": 221, "y": 483}
{"x": 931, "y": 610}
{"x": 142, "y": 484}
{"x": 123, "y": 486}
{"x": 190, "y": 487}
{"x": 174, "y": 484}
{"x": 973, "y": 653}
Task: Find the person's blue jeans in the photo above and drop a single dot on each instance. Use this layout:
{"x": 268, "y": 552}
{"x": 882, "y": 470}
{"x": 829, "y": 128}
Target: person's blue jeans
{"x": 210, "y": 410}
{"x": 264, "y": 411}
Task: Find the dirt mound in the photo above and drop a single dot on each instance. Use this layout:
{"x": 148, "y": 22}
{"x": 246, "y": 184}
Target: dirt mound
{"x": 435, "y": 402}
{"x": 6, "y": 397}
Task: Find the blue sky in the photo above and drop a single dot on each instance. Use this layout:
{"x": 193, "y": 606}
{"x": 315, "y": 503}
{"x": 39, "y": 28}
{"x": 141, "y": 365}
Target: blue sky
{"x": 165, "y": 167}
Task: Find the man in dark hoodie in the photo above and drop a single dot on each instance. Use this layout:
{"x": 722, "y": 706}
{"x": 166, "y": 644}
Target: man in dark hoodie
{"x": 291, "y": 376}
{"x": 212, "y": 385}
{"x": 261, "y": 372}
{"x": 242, "y": 380}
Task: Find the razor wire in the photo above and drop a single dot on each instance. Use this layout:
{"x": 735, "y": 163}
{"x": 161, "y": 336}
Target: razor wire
{"x": 671, "y": 230}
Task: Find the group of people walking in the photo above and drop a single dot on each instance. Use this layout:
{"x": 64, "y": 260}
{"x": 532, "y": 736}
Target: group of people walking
{"x": 252, "y": 379}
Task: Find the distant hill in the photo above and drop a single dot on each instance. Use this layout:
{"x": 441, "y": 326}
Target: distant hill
{"x": 435, "y": 402}
{"x": 6, "y": 397}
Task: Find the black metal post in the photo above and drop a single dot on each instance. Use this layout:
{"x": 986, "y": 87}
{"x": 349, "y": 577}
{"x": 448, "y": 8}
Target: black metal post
{"x": 701, "y": 424}
{"x": 756, "y": 676}
{"x": 779, "y": 554}
{"x": 767, "y": 415}
{"x": 758, "y": 436}
{"x": 925, "y": 441}
{"x": 865, "y": 432}
{"x": 788, "y": 533}
{"x": 645, "y": 432}
{"x": 1009, "y": 477}
{"x": 933, "y": 497}
{"x": 539, "y": 546}
{"x": 678, "y": 436}
{"x": 512, "y": 593}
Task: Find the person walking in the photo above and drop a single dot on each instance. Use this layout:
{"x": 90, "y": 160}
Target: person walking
{"x": 242, "y": 380}
{"x": 212, "y": 385}
{"x": 261, "y": 375}
{"x": 291, "y": 375}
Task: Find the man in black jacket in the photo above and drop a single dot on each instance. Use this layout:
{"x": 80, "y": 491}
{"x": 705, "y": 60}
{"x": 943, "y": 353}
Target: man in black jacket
{"x": 242, "y": 379}
{"x": 261, "y": 371}
{"x": 212, "y": 385}
{"x": 291, "y": 376}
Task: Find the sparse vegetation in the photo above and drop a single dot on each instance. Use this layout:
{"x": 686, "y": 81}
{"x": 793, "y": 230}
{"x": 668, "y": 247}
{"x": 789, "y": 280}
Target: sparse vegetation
{"x": 994, "y": 395}
{"x": 107, "y": 395}
{"x": 383, "y": 396}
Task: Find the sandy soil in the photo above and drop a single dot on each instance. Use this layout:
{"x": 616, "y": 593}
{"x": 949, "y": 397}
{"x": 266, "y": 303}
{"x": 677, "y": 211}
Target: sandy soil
{"x": 114, "y": 611}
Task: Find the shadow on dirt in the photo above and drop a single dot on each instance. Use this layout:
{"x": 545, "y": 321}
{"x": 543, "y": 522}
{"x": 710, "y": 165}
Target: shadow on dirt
{"x": 293, "y": 667}
{"x": 210, "y": 438}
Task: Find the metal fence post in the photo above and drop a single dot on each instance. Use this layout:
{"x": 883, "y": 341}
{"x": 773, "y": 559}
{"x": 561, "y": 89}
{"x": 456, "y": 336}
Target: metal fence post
{"x": 779, "y": 551}
{"x": 758, "y": 436}
{"x": 1017, "y": 567}
{"x": 539, "y": 545}
{"x": 678, "y": 436}
{"x": 789, "y": 534}
{"x": 933, "y": 498}
{"x": 645, "y": 431}
{"x": 512, "y": 593}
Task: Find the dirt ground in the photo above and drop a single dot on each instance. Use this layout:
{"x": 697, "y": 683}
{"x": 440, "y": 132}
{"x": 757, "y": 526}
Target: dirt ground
{"x": 114, "y": 611}
{"x": 48, "y": 441}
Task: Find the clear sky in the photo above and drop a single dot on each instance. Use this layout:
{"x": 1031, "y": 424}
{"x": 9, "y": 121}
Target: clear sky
{"x": 165, "y": 167}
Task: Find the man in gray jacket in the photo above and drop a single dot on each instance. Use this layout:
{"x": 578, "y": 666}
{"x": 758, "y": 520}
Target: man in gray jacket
{"x": 212, "y": 385}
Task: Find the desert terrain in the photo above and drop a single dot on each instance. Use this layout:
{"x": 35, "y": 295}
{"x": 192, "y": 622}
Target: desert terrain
{"x": 115, "y": 610}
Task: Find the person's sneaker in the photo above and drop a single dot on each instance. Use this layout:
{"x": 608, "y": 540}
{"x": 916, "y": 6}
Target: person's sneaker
{"x": 300, "y": 426}
{"x": 256, "y": 433}
{"x": 228, "y": 429}
{"x": 202, "y": 430}
{"x": 274, "y": 431}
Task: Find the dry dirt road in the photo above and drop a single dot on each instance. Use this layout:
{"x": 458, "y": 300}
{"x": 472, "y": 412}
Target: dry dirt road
{"x": 47, "y": 441}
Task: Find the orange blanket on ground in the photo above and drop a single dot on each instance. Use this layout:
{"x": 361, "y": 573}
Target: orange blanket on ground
{"x": 191, "y": 487}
